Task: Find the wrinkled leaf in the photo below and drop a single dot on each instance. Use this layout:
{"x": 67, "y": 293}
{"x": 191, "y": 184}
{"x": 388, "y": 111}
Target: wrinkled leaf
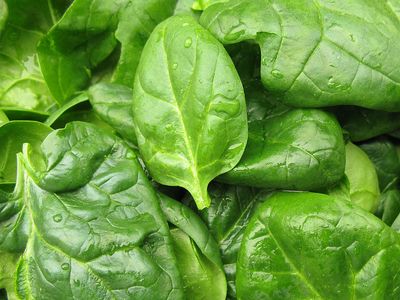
{"x": 318, "y": 53}
{"x": 312, "y": 246}
{"x": 97, "y": 227}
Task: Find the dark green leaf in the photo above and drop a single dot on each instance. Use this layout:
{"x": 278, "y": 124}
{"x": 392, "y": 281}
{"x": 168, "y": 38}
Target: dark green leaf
{"x": 89, "y": 33}
{"x": 363, "y": 124}
{"x": 301, "y": 149}
{"x": 70, "y": 105}
{"x": 97, "y": 228}
{"x": 318, "y": 53}
{"x": 227, "y": 217}
{"x": 189, "y": 108}
{"x": 389, "y": 206}
{"x": 382, "y": 152}
{"x": 312, "y": 246}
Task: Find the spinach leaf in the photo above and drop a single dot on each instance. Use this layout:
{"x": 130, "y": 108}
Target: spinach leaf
{"x": 89, "y": 33}
{"x": 203, "y": 4}
{"x": 3, "y": 117}
{"x": 3, "y": 14}
{"x": 186, "y": 7}
{"x": 389, "y": 206}
{"x": 363, "y": 180}
{"x": 97, "y": 228}
{"x": 318, "y": 53}
{"x": 189, "y": 108}
{"x": 363, "y": 124}
{"x": 301, "y": 149}
{"x": 77, "y": 109}
{"x": 197, "y": 253}
{"x": 312, "y": 246}
{"x": 21, "y": 82}
{"x": 13, "y": 135}
{"x": 395, "y": 134}
{"x": 14, "y": 221}
{"x": 15, "y": 113}
{"x": 113, "y": 103}
{"x": 70, "y": 105}
{"x": 7, "y": 269}
{"x": 227, "y": 217}
{"x": 382, "y": 152}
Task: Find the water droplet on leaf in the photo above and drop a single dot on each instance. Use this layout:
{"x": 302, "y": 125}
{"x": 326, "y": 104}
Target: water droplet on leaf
{"x": 188, "y": 42}
{"x": 65, "y": 266}
{"x": 57, "y": 218}
{"x": 277, "y": 73}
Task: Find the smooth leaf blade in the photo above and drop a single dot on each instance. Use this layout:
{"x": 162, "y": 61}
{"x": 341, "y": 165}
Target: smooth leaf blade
{"x": 189, "y": 111}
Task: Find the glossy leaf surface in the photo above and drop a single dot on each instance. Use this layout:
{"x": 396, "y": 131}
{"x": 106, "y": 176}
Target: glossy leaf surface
{"x": 312, "y": 246}
{"x": 301, "y": 149}
{"x": 318, "y": 53}
{"x": 97, "y": 229}
{"x": 89, "y": 33}
{"x": 189, "y": 109}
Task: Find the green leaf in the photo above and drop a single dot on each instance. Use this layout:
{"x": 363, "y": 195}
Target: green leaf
{"x": 13, "y": 135}
{"x": 3, "y": 14}
{"x": 364, "y": 184}
{"x": 300, "y": 149}
{"x": 197, "y": 253}
{"x": 383, "y": 154}
{"x": 389, "y": 206}
{"x": 7, "y": 269}
{"x": 318, "y": 53}
{"x": 201, "y": 278}
{"x": 21, "y": 82}
{"x": 89, "y": 33}
{"x": 3, "y": 117}
{"x": 312, "y": 246}
{"x": 363, "y": 124}
{"x": 227, "y": 218}
{"x": 97, "y": 231}
{"x": 189, "y": 108}
{"x": 113, "y": 104}
{"x": 70, "y": 105}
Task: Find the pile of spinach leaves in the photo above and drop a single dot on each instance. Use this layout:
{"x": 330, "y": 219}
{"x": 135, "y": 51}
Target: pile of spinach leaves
{"x": 199, "y": 149}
